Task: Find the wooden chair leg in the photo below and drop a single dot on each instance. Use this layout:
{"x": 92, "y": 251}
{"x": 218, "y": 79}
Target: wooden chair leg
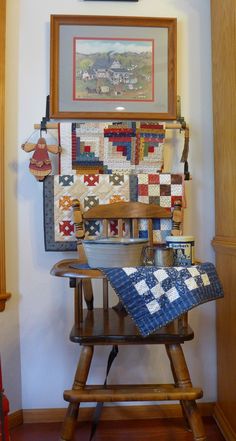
{"x": 182, "y": 379}
{"x": 195, "y": 420}
{"x": 181, "y": 401}
{"x": 80, "y": 379}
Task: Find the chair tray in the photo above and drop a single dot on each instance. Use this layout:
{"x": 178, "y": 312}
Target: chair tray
{"x": 111, "y": 327}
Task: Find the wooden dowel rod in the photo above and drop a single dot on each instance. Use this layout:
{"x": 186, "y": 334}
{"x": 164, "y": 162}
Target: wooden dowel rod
{"x": 150, "y": 232}
{"x": 78, "y": 302}
{"x": 135, "y": 229}
{"x": 48, "y": 126}
{"x": 167, "y": 126}
{"x": 120, "y": 227}
{"x": 175, "y": 126}
{"x": 105, "y": 294}
{"x": 105, "y": 226}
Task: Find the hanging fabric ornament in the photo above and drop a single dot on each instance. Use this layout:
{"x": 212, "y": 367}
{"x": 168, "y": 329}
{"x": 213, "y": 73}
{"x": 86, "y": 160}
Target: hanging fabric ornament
{"x": 40, "y": 163}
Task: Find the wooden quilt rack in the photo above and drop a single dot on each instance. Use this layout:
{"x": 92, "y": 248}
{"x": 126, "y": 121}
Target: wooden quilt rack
{"x": 178, "y": 125}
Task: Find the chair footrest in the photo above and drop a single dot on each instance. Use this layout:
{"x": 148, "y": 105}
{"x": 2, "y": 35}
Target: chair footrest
{"x": 132, "y": 392}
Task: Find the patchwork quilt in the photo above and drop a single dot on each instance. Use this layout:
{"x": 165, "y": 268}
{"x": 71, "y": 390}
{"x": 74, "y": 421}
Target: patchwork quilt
{"x": 111, "y": 147}
{"x": 155, "y": 296}
{"x": 92, "y": 190}
{"x": 104, "y": 162}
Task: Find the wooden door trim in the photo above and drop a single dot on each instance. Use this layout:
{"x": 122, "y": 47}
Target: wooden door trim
{"x": 3, "y": 294}
{"x": 223, "y": 18}
{"x": 224, "y": 244}
{"x": 223, "y": 423}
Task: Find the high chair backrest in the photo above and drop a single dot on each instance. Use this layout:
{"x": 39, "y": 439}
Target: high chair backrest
{"x": 124, "y": 211}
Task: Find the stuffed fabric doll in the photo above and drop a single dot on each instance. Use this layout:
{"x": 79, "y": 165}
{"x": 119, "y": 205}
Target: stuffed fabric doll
{"x": 40, "y": 163}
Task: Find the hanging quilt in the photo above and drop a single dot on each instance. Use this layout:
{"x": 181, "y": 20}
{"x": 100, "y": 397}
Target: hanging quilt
{"x": 91, "y": 190}
{"x": 111, "y": 147}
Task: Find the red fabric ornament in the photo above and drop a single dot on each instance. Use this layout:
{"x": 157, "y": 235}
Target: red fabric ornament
{"x": 40, "y": 163}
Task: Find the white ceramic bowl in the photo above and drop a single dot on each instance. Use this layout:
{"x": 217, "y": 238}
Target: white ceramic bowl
{"x": 114, "y": 252}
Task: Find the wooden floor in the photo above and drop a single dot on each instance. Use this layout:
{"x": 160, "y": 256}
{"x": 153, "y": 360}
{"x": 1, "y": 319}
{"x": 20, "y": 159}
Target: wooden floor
{"x": 142, "y": 430}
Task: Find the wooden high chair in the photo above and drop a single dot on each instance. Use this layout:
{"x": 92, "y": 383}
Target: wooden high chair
{"x": 107, "y": 326}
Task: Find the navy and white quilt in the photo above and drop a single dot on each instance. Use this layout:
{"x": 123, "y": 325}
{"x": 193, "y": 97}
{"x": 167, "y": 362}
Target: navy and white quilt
{"x": 155, "y": 296}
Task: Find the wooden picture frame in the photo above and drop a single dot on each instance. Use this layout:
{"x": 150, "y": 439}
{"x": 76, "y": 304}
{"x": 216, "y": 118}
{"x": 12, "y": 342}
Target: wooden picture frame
{"x": 109, "y": 67}
{"x": 114, "y": 0}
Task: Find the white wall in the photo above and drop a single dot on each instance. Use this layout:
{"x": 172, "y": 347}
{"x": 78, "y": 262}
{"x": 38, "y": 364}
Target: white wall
{"x": 42, "y": 305}
{"x": 9, "y": 319}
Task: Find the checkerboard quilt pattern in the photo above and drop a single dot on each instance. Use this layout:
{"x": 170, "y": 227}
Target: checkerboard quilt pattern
{"x": 161, "y": 189}
{"x": 154, "y": 296}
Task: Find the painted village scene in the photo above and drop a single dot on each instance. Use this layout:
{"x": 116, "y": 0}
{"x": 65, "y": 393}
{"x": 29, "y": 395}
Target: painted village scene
{"x": 108, "y": 69}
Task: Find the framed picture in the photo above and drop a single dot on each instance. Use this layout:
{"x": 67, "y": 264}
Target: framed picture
{"x": 106, "y": 67}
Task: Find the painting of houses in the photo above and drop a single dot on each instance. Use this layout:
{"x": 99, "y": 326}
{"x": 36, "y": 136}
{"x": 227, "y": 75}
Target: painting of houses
{"x": 113, "y": 69}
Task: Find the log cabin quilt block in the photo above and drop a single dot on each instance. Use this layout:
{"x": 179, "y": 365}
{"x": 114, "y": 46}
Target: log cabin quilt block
{"x": 111, "y": 147}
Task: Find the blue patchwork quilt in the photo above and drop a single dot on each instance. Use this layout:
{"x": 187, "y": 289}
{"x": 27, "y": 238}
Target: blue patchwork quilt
{"x": 155, "y": 296}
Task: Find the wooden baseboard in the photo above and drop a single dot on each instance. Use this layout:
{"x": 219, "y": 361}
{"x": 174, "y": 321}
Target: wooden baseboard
{"x": 16, "y": 419}
{"x": 223, "y": 424}
{"x": 114, "y": 413}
